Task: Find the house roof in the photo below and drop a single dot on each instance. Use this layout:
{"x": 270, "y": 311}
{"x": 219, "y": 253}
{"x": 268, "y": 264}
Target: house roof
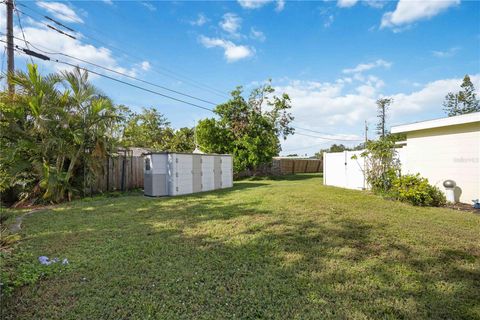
{"x": 437, "y": 123}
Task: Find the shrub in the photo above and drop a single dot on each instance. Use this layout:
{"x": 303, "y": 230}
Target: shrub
{"x": 381, "y": 164}
{"x": 416, "y": 190}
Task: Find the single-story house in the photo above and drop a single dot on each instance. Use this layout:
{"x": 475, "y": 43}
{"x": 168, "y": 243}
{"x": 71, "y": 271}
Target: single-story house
{"x": 442, "y": 149}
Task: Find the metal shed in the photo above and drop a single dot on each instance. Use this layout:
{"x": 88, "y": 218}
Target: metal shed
{"x": 175, "y": 173}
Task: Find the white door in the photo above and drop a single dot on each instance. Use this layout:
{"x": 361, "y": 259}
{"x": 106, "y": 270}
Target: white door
{"x": 227, "y": 178}
{"x": 207, "y": 173}
{"x": 183, "y": 174}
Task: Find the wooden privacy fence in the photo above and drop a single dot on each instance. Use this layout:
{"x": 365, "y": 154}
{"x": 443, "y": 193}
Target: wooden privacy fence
{"x": 120, "y": 173}
{"x": 291, "y": 166}
{"x": 280, "y": 166}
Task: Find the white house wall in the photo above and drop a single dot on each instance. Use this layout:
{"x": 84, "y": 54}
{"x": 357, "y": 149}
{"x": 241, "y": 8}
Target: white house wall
{"x": 447, "y": 153}
{"x": 437, "y": 154}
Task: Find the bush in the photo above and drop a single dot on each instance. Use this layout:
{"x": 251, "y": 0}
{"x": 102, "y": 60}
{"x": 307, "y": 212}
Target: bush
{"x": 416, "y": 190}
{"x": 381, "y": 164}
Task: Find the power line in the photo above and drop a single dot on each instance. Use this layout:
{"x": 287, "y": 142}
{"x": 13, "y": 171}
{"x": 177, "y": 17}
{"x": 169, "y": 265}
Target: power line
{"x": 47, "y": 25}
{"x": 314, "y": 131}
{"x": 46, "y": 58}
{"x": 21, "y": 27}
{"x": 171, "y": 74}
{"x": 117, "y": 72}
{"x": 303, "y": 148}
{"x": 325, "y": 138}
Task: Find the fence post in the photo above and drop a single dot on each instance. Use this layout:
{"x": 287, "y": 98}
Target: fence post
{"x": 108, "y": 173}
{"x": 122, "y": 182}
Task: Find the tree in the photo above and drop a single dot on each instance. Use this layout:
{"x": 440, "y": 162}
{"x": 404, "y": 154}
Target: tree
{"x": 148, "y": 129}
{"x": 53, "y": 140}
{"x": 462, "y": 102}
{"x": 338, "y": 148}
{"x": 382, "y": 166}
{"x": 382, "y": 106}
{"x": 248, "y": 129}
{"x": 183, "y": 140}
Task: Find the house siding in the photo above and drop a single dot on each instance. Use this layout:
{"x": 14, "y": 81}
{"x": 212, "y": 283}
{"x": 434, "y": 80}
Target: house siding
{"x": 450, "y": 152}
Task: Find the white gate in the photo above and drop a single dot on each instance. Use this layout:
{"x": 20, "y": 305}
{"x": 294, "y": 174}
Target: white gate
{"x": 340, "y": 170}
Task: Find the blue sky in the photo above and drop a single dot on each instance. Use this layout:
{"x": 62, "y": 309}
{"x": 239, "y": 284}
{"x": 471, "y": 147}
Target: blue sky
{"x": 334, "y": 58}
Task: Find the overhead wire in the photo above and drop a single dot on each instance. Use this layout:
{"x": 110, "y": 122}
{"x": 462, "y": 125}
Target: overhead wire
{"x": 43, "y": 57}
{"x": 129, "y": 76}
{"x": 325, "y": 138}
{"x": 171, "y": 74}
{"x": 46, "y": 58}
{"x": 114, "y": 71}
{"x": 21, "y": 27}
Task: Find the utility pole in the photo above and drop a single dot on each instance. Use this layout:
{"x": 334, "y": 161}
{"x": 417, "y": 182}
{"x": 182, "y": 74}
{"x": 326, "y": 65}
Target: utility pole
{"x": 366, "y": 133}
{"x": 10, "y": 56}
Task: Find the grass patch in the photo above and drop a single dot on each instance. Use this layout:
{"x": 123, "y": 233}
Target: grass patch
{"x": 285, "y": 248}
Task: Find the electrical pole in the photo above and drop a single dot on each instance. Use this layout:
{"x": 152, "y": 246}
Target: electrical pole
{"x": 366, "y": 133}
{"x": 10, "y": 56}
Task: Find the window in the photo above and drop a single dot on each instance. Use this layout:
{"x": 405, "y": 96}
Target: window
{"x": 147, "y": 164}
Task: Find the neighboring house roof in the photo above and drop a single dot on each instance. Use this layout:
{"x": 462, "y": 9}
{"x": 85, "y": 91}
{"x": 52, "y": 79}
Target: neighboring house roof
{"x": 436, "y": 123}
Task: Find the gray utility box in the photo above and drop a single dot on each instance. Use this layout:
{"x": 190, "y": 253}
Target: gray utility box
{"x": 174, "y": 173}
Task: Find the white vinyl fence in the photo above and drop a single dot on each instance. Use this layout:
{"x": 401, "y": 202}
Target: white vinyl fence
{"x": 340, "y": 170}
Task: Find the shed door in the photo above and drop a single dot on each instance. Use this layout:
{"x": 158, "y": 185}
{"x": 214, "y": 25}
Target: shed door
{"x": 196, "y": 173}
{"x": 217, "y": 172}
{"x": 207, "y": 173}
{"x": 227, "y": 179}
{"x": 184, "y": 174}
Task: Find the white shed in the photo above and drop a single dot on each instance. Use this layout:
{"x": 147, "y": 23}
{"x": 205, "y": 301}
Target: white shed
{"x": 175, "y": 173}
{"x": 446, "y": 148}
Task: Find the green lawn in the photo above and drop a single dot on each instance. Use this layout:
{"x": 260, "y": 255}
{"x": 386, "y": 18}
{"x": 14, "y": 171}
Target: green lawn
{"x": 277, "y": 249}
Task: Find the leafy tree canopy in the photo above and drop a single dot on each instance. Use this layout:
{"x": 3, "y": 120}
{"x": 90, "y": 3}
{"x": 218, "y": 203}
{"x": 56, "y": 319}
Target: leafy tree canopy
{"x": 249, "y": 129}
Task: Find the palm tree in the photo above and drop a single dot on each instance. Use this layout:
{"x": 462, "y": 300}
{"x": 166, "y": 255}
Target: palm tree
{"x": 55, "y": 140}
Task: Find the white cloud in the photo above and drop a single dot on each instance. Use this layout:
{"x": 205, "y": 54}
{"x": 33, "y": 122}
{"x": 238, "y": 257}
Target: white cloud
{"x": 408, "y": 11}
{"x": 257, "y": 34}
{"x": 3, "y": 19}
{"x": 149, "y": 5}
{"x": 280, "y": 5}
{"x": 200, "y": 21}
{"x": 110, "y": 2}
{"x": 145, "y": 65}
{"x": 340, "y": 108}
{"x": 232, "y": 51}
{"x": 368, "y": 66}
{"x": 377, "y": 4}
{"x": 328, "y": 21}
{"x": 447, "y": 53}
{"x": 44, "y": 38}
{"x": 230, "y": 23}
{"x": 253, "y": 4}
{"x": 60, "y": 11}
{"x": 430, "y": 97}
{"x": 346, "y": 3}
{"x": 256, "y": 4}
